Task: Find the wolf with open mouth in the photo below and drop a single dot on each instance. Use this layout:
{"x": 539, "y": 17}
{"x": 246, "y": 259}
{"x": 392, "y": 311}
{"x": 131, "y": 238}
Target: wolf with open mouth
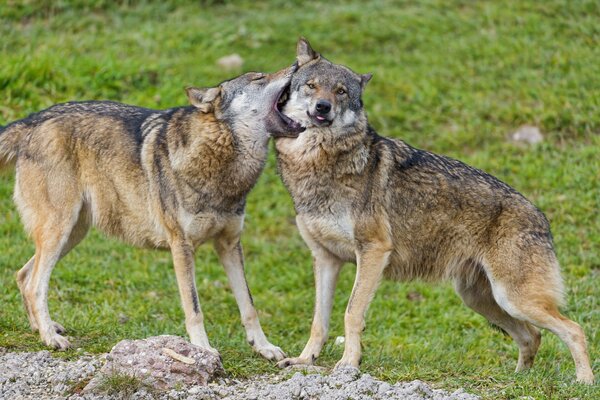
{"x": 405, "y": 213}
{"x": 171, "y": 179}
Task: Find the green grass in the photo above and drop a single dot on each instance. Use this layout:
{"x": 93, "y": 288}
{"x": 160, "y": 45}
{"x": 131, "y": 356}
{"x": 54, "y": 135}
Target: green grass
{"x": 122, "y": 384}
{"x": 454, "y": 77}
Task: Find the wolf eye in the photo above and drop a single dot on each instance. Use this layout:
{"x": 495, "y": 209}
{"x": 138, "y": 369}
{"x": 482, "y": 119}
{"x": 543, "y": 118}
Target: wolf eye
{"x": 341, "y": 91}
{"x": 310, "y": 85}
{"x": 258, "y": 77}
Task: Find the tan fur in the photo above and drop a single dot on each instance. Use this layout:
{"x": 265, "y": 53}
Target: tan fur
{"x": 170, "y": 179}
{"x": 409, "y": 214}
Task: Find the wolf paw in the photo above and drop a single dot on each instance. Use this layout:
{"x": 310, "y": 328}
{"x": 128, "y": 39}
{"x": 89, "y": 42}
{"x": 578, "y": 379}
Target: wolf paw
{"x": 212, "y": 350}
{"x": 585, "y": 378}
{"x": 56, "y": 341}
{"x": 287, "y": 362}
{"x": 270, "y": 352}
{"x": 346, "y": 364}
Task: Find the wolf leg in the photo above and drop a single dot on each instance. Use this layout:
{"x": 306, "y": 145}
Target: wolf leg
{"x": 24, "y": 275}
{"x": 183, "y": 262}
{"x": 326, "y": 269}
{"x": 477, "y": 295}
{"x": 51, "y": 207}
{"x": 53, "y": 240}
{"x": 231, "y": 256}
{"x": 372, "y": 260}
{"x": 534, "y": 298}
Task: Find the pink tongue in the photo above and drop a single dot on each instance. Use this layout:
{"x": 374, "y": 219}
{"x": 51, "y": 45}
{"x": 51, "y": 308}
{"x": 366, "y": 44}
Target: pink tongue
{"x": 320, "y": 118}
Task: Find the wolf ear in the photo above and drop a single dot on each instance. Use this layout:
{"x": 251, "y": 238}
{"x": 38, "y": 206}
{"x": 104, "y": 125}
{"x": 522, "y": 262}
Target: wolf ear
{"x": 202, "y": 99}
{"x": 364, "y": 79}
{"x": 305, "y": 53}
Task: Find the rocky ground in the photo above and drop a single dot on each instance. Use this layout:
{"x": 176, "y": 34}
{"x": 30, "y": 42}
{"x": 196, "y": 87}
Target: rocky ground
{"x": 39, "y": 375}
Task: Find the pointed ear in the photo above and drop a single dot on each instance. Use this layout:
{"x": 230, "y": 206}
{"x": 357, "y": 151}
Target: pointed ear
{"x": 364, "y": 79}
{"x": 305, "y": 53}
{"x": 203, "y": 98}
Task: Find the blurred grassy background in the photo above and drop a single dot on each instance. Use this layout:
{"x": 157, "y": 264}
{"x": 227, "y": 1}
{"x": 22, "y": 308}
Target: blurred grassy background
{"x": 453, "y": 77}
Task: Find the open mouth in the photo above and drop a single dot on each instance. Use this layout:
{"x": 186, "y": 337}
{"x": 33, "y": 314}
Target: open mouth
{"x": 290, "y": 127}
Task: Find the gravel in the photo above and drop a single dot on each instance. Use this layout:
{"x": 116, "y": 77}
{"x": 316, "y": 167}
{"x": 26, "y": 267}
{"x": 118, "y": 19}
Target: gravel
{"x": 39, "y": 375}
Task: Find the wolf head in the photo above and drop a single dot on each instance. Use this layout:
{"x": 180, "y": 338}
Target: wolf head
{"x": 323, "y": 94}
{"x": 248, "y": 103}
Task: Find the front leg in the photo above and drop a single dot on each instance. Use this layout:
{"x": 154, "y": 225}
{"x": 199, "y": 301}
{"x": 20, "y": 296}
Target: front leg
{"x": 326, "y": 269}
{"x": 231, "y": 256}
{"x": 183, "y": 262}
{"x": 372, "y": 259}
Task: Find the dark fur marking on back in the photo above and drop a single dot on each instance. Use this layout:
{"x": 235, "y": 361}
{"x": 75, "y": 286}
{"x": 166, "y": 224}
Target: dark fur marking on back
{"x": 409, "y": 158}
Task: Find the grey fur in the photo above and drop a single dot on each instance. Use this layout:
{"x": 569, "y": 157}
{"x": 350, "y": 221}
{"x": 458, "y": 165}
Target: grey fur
{"x": 171, "y": 179}
{"x": 406, "y": 213}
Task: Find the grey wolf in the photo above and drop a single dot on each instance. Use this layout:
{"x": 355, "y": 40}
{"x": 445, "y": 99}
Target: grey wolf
{"x": 404, "y": 213}
{"x": 170, "y": 179}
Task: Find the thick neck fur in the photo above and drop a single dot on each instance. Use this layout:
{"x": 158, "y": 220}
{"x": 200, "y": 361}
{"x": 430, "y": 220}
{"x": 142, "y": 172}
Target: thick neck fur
{"x": 216, "y": 158}
{"x": 319, "y": 159}
{"x": 342, "y": 153}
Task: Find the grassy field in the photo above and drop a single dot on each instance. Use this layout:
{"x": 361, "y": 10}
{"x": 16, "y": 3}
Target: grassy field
{"x": 453, "y": 77}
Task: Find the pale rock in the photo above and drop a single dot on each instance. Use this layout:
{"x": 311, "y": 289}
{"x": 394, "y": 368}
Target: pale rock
{"x": 147, "y": 360}
{"x": 231, "y": 62}
{"x": 528, "y": 134}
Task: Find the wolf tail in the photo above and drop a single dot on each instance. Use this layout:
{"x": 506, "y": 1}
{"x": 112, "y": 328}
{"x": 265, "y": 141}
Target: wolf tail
{"x": 10, "y": 137}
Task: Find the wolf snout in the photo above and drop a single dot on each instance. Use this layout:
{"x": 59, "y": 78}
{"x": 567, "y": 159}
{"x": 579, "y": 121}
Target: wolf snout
{"x": 323, "y": 107}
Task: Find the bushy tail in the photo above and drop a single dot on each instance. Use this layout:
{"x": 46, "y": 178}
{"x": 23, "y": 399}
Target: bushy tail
{"x": 10, "y": 136}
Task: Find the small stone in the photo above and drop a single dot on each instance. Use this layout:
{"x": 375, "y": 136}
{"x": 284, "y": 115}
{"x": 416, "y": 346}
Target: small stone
{"x": 414, "y": 296}
{"x": 194, "y": 390}
{"x": 61, "y": 387}
{"x": 340, "y": 340}
{"x": 384, "y": 387}
{"x": 528, "y": 134}
{"x": 231, "y": 62}
{"x": 123, "y": 319}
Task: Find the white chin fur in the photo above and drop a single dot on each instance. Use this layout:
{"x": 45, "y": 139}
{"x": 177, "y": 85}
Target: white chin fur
{"x": 348, "y": 118}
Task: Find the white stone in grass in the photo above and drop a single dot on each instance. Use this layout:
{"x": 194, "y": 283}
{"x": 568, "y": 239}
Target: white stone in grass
{"x": 231, "y": 62}
{"x": 528, "y": 134}
{"x": 340, "y": 340}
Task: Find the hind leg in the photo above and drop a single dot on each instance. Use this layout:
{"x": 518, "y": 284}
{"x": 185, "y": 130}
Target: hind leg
{"x": 477, "y": 294}
{"x": 23, "y": 275}
{"x": 530, "y": 291}
{"x": 22, "y": 281}
{"x": 50, "y": 205}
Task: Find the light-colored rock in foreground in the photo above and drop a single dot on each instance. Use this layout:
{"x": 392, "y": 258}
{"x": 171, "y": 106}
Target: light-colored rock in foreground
{"x": 161, "y": 363}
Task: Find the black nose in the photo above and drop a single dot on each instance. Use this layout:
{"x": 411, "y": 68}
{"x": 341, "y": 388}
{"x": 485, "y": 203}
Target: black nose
{"x": 323, "y": 106}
